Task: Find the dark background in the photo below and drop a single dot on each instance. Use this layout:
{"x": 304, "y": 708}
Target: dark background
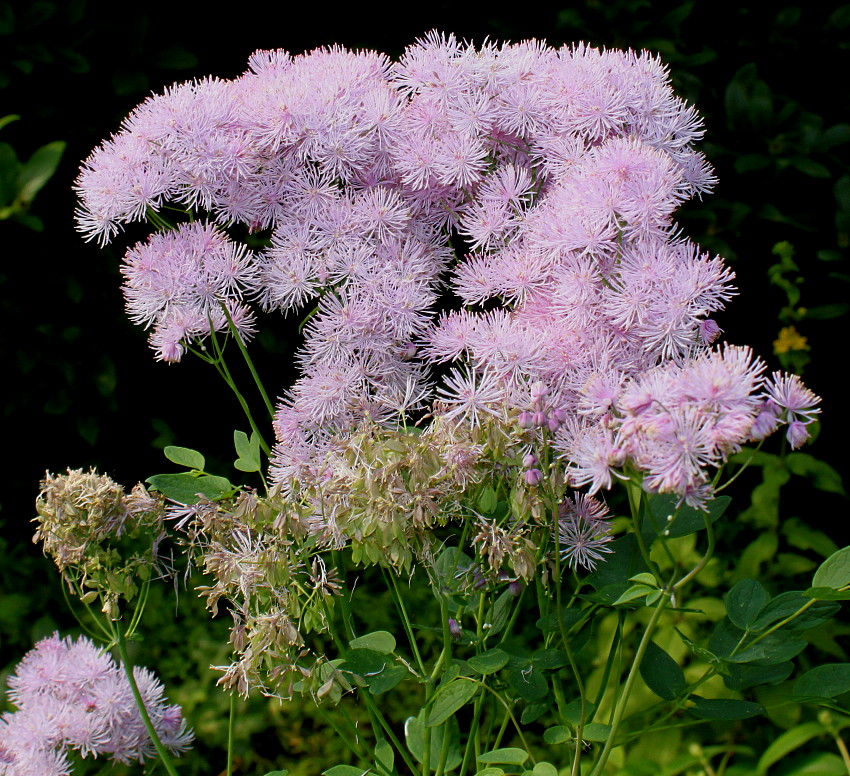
{"x": 80, "y": 386}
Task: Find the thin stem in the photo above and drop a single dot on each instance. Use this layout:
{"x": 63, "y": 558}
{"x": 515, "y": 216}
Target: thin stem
{"x": 709, "y": 552}
{"x": 231, "y": 728}
{"x": 630, "y": 680}
{"x": 167, "y": 762}
{"x": 228, "y": 378}
{"x": 405, "y": 620}
{"x": 472, "y": 740}
{"x": 244, "y": 351}
{"x": 842, "y": 747}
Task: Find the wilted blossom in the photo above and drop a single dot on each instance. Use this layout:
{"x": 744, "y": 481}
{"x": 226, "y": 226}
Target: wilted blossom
{"x": 71, "y": 695}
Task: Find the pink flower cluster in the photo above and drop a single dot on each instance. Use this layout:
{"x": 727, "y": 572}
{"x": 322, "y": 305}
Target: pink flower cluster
{"x": 557, "y": 171}
{"x": 71, "y": 695}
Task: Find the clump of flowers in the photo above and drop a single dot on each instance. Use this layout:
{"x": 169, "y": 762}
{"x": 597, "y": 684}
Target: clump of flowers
{"x": 72, "y": 696}
{"x": 501, "y": 319}
{"x": 560, "y": 168}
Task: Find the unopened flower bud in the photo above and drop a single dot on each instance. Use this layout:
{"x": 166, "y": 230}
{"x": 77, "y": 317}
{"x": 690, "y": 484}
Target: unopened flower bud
{"x": 709, "y": 331}
{"x": 515, "y": 588}
{"x": 525, "y": 420}
{"x": 553, "y": 423}
{"x": 538, "y": 391}
{"x": 533, "y": 476}
{"x": 454, "y": 628}
{"x": 766, "y": 421}
{"x": 539, "y": 419}
{"x": 409, "y": 351}
{"x": 529, "y": 460}
{"x": 797, "y": 434}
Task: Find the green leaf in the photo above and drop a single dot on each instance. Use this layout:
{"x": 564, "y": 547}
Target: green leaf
{"x": 744, "y": 602}
{"x": 624, "y": 561}
{"x": 788, "y": 604}
{"x": 544, "y": 769}
{"x": 378, "y": 641}
{"x": 533, "y": 711}
{"x": 528, "y": 683}
{"x": 803, "y": 537}
{"x": 817, "y": 764}
{"x": 278, "y": 773}
{"x": 385, "y": 754}
{"x": 633, "y": 593}
{"x": 822, "y": 475}
{"x": 497, "y": 617}
{"x": 810, "y": 167}
{"x": 686, "y": 520}
{"x": 661, "y": 673}
{"x": 835, "y": 135}
{"x": 365, "y": 662}
{"x": 248, "y": 451}
{"x": 489, "y": 662}
{"x": 787, "y": 742}
{"x": 185, "y": 487}
{"x": 825, "y": 681}
{"x": 550, "y": 658}
{"x": 449, "y": 698}
{"x": 38, "y": 170}
{"x": 183, "y": 456}
{"x": 559, "y": 734}
{"x": 724, "y": 708}
{"x": 488, "y": 500}
{"x": 568, "y": 617}
{"x": 415, "y": 740}
{"x": 741, "y": 677}
{"x": 346, "y": 770}
{"x": 596, "y": 731}
{"x": 387, "y": 679}
{"x": 834, "y": 572}
{"x": 510, "y": 754}
{"x": 572, "y": 711}
{"x": 5, "y": 120}
{"x": 827, "y": 594}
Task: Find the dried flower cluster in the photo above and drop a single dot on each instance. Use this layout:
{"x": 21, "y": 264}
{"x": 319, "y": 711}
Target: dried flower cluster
{"x": 103, "y": 540}
{"x": 71, "y": 695}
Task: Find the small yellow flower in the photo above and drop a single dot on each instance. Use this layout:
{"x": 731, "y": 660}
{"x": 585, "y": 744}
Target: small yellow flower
{"x": 789, "y": 339}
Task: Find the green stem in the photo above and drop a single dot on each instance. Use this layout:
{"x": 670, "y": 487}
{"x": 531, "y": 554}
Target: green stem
{"x": 473, "y": 739}
{"x": 167, "y": 762}
{"x": 231, "y": 729}
{"x": 405, "y": 620}
{"x": 228, "y": 378}
{"x": 630, "y": 680}
{"x": 244, "y": 351}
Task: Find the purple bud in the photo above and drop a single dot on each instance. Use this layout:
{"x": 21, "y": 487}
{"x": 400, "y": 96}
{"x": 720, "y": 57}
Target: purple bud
{"x": 526, "y": 419}
{"x": 539, "y": 419}
{"x": 554, "y": 423}
{"x": 709, "y": 330}
{"x": 797, "y": 434}
{"x": 515, "y": 588}
{"x": 454, "y": 627}
{"x": 533, "y": 476}
{"x": 409, "y": 351}
{"x": 561, "y": 415}
{"x": 766, "y": 421}
{"x": 529, "y": 460}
